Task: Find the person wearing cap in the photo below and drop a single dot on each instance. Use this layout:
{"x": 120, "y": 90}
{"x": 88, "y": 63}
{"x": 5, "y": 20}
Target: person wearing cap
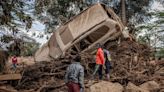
{"x": 74, "y": 77}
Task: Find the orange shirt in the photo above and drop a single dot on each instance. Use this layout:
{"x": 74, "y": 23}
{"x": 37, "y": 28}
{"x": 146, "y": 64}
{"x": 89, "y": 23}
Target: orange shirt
{"x": 100, "y": 57}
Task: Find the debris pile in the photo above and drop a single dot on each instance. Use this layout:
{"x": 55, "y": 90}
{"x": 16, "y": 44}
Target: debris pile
{"x": 130, "y": 63}
{"x": 43, "y": 76}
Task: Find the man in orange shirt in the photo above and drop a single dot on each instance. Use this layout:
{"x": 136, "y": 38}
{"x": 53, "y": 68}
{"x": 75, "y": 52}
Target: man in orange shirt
{"x": 99, "y": 61}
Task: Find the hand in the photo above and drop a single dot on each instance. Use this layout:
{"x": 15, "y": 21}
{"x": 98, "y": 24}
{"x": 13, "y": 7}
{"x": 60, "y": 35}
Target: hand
{"x": 104, "y": 67}
{"x": 81, "y": 89}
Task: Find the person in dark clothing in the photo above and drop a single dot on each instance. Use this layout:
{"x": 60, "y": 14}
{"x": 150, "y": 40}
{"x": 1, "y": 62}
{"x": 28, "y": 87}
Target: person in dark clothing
{"x": 107, "y": 57}
{"x": 74, "y": 77}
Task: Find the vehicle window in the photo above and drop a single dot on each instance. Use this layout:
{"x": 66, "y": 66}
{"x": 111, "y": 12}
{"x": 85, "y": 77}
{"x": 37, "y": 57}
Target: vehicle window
{"x": 93, "y": 37}
{"x": 73, "y": 50}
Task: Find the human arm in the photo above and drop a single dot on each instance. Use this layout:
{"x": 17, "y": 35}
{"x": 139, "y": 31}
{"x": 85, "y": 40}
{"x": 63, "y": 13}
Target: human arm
{"x": 66, "y": 75}
{"x": 108, "y": 54}
{"x": 109, "y": 57}
{"x": 81, "y": 78}
{"x": 81, "y": 89}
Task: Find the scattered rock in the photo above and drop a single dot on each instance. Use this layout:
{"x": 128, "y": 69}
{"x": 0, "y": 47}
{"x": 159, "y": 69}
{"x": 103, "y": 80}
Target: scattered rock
{"x": 133, "y": 88}
{"x": 105, "y": 86}
{"x": 151, "y": 86}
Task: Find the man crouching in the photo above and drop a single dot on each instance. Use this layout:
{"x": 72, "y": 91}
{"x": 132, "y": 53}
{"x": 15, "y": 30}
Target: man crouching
{"x": 74, "y": 77}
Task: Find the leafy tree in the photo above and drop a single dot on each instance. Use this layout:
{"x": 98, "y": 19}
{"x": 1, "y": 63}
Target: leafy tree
{"x": 160, "y": 53}
{"x": 29, "y": 48}
{"x": 23, "y": 48}
{"x": 153, "y": 33}
{"x": 13, "y": 13}
{"x": 6, "y": 38}
{"x": 154, "y": 30}
{"x": 55, "y": 12}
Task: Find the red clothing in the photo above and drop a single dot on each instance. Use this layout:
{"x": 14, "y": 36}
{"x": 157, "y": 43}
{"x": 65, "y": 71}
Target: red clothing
{"x": 100, "y": 57}
{"x": 73, "y": 87}
{"x": 14, "y": 60}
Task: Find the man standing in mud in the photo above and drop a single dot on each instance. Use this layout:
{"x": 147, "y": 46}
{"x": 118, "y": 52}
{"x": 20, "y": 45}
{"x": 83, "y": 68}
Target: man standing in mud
{"x": 74, "y": 77}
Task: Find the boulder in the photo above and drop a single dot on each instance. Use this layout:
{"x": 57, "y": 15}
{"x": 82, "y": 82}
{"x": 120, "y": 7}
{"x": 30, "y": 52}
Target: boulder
{"x": 133, "y": 88}
{"x": 151, "y": 86}
{"x": 105, "y": 86}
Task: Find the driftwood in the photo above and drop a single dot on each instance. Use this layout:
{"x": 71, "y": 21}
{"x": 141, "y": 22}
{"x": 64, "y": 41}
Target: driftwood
{"x": 5, "y": 89}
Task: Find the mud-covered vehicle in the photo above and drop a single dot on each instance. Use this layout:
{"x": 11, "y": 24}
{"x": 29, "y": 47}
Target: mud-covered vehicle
{"x": 96, "y": 24}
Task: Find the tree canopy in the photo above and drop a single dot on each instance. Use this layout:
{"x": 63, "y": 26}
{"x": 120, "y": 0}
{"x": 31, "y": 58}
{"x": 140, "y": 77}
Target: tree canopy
{"x": 13, "y": 13}
{"x": 55, "y": 12}
{"x": 153, "y": 31}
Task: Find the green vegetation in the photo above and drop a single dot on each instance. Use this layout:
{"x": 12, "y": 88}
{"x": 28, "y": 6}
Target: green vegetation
{"x": 56, "y": 12}
{"x": 13, "y": 13}
{"x": 23, "y": 48}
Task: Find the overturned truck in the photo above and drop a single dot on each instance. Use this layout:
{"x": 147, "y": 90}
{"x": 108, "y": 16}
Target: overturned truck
{"x": 96, "y": 24}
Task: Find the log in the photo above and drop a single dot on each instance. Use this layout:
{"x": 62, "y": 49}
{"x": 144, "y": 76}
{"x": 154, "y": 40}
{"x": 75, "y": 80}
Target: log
{"x": 10, "y": 77}
{"x": 53, "y": 74}
{"x": 7, "y": 89}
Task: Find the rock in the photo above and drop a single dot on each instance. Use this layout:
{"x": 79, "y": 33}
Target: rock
{"x": 153, "y": 63}
{"x": 133, "y": 88}
{"x": 162, "y": 90}
{"x": 105, "y": 86}
{"x": 160, "y": 72}
{"x": 151, "y": 86}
